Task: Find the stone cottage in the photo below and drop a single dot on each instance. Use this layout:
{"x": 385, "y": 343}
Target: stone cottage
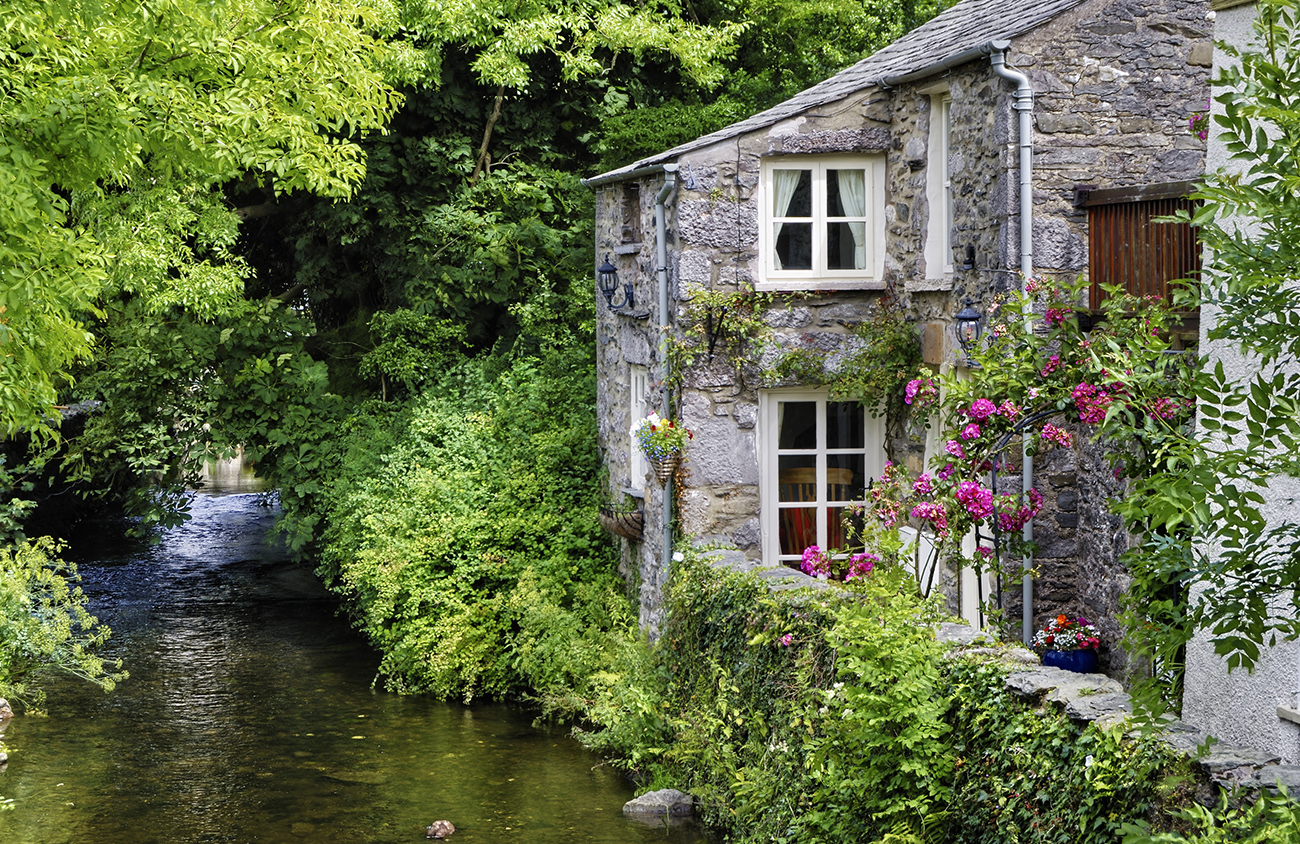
{"x": 908, "y": 174}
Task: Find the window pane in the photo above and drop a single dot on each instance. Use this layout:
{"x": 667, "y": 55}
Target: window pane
{"x": 846, "y": 194}
{"x": 797, "y": 477}
{"x": 791, "y": 193}
{"x": 797, "y": 421}
{"x": 844, "y": 477}
{"x": 845, "y": 425}
{"x": 793, "y": 245}
{"x": 837, "y": 536}
{"x": 798, "y": 529}
{"x": 846, "y": 246}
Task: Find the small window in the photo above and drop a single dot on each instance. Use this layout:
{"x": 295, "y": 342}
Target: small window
{"x": 818, "y": 456}
{"x": 938, "y": 243}
{"x": 1128, "y": 248}
{"x": 821, "y": 222}
{"x": 638, "y": 388}
{"x": 631, "y": 213}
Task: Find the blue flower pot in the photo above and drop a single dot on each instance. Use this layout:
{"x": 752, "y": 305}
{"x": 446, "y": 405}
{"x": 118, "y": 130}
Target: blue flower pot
{"x": 1080, "y": 662}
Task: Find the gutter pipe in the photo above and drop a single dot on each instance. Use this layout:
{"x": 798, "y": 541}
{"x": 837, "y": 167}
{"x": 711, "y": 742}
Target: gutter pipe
{"x": 661, "y": 271}
{"x": 1025, "y": 106}
{"x": 620, "y": 176}
{"x": 988, "y": 48}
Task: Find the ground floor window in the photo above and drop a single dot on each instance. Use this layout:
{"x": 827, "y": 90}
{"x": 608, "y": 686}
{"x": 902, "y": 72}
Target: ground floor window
{"x": 816, "y": 459}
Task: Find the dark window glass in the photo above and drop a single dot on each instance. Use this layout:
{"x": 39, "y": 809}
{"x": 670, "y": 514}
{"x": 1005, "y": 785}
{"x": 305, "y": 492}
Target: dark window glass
{"x": 845, "y": 426}
{"x": 798, "y": 420}
{"x": 794, "y": 246}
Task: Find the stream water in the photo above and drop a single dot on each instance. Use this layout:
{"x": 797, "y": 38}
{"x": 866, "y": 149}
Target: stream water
{"x": 249, "y": 717}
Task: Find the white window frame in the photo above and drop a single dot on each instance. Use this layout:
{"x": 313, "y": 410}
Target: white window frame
{"x": 938, "y": 238}
{"x": 638, "y": 387}
{"x": 769, "y": 480}
{"x": 871, "y": 277}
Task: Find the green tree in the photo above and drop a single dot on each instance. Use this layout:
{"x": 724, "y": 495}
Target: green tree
{"x": 123, "y": 119}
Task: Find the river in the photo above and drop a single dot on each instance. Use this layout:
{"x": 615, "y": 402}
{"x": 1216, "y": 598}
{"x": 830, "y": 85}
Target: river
{"x": 249, "y": 717}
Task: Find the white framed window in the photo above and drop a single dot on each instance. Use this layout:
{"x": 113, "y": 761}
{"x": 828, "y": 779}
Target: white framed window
{"x": 822, "y": 222}
{"x": 816, "y": 458}
{"x": 638, "y": 386}
{"x": 938, "y": 238}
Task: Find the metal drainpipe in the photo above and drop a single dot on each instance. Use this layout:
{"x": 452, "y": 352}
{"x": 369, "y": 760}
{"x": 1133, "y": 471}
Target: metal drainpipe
{"x": 665, "y": 405}
{"x": 1025, "y": 105}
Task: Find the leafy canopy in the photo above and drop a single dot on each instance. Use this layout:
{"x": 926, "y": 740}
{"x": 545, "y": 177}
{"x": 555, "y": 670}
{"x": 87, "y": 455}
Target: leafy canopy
{"x": 113, "y": 113}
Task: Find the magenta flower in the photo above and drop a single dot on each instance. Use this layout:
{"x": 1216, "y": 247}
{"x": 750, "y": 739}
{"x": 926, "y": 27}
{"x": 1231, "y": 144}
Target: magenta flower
{"x": 1057, "y": 436}
{"x": 981, "y": 409}
{"x": 861, "y": 565}
{"x": 1008, "y": 409}
{"x": 1054, "y": 316}
{"x": 923, "y": 486}
{"x": 954, "y": 448}
{"x": 935, "y": 514}
{"x": 977, "y": 499}
{"x": 970, "y": 432}
{"x": 1092, "y": 402}
{"x": 1052, "y": 363}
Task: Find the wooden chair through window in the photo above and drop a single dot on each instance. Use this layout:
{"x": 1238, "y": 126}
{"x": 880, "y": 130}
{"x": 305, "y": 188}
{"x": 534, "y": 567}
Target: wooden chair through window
{"x": 799, "y": 525}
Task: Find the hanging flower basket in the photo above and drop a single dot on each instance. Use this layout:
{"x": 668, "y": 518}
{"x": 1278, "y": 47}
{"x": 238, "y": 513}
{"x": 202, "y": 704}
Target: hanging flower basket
{"x": 664, "y": 467}
{"x": 629, "y": 524}
{"x": 662, "y": 442}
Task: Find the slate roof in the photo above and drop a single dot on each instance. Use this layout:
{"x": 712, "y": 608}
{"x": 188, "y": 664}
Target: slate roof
{"x": 964, "y": 27}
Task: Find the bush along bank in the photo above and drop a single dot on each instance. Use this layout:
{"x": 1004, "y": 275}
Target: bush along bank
{"x": 835, "y": 715}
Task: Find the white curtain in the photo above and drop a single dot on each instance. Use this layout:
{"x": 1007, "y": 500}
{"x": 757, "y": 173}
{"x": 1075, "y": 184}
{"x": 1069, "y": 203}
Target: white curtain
{"x": 785, "y": 183}
{"x": 853, "y": 196}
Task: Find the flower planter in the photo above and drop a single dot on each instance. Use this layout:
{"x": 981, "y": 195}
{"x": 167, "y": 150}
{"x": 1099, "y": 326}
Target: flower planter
{"x": 664, "y": 468}
{"x": 629, "y": 524}
{"x": 1080, "y": 662}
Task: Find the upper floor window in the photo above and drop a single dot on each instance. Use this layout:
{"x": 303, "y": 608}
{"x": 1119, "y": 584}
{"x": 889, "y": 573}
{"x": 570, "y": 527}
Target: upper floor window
{"x": 822, "y": 222}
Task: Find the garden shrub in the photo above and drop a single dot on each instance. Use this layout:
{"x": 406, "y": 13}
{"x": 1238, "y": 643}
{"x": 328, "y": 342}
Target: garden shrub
{"x": 462, "y": 532}
{"x": 835, "y": 716}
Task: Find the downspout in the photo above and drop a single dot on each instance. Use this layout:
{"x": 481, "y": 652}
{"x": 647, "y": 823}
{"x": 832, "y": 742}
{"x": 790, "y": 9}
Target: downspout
{"x": 665, "y": 405}
{"x": 1025, "y": 105}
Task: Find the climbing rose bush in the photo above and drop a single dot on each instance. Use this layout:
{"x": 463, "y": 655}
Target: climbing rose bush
{"x": 1041, "y": 377}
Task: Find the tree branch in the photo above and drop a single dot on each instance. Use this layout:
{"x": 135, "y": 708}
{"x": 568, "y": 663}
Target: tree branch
{"x": 487, "y": 134}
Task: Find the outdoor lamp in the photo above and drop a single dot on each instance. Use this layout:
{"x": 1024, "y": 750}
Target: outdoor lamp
{"x": 968, "y": 330}
{"x": 607, "y": 280}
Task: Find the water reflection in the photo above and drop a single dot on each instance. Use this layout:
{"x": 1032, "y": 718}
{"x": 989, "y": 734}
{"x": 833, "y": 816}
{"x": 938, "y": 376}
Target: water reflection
{"x": 249, "y": 716}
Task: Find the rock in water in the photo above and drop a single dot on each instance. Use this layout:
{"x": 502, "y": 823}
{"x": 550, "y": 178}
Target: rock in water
{"x": 667, "y": 801}
{"x": 439, "y": 829}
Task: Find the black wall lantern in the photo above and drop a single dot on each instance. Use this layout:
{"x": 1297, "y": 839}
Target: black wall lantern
{"x": 969, "y": 329}
{"x": 607, "y": 280}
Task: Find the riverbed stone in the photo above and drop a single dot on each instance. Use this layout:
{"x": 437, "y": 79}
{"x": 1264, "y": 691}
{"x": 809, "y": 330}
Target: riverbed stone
{"x": 665, "y": 802}
{"x": 5, "y": 712}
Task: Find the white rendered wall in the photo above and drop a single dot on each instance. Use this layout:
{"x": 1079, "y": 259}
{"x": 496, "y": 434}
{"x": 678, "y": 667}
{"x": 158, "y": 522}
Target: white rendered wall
{"x": 1241, "y": 707}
